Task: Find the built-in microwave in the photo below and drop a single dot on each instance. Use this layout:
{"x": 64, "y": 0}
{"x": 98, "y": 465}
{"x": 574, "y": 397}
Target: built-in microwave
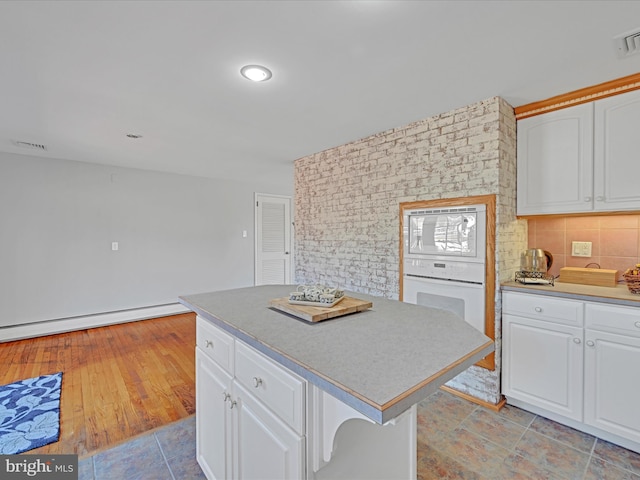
{"x": 446, "y": 233}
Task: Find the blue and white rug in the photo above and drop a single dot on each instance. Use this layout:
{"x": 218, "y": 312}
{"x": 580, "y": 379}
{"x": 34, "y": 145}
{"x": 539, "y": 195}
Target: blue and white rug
{"x": 29, "y": 413}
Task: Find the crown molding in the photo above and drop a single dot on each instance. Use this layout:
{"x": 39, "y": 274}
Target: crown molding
{"x": 584, "y": 95}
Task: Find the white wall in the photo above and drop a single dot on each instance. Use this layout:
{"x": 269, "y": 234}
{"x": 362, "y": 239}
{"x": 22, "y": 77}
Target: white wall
{"x": 177, "y": 235}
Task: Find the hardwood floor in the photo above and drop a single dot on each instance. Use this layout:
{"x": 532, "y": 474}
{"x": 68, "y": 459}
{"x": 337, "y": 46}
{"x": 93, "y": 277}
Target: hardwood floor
{"x": 118, "y": 381}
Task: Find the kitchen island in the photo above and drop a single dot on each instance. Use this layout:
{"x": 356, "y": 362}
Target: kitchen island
{"x": 338, "y": 397}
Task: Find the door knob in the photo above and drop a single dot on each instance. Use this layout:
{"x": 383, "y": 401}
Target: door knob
{"x": 591, "y": 343}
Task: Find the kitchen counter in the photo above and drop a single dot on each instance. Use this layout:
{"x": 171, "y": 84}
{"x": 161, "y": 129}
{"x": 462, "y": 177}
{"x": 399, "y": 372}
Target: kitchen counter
{"x": 618, "y": 295}
{"x": 566, "y": 355}
{"x": 380, "y": 361}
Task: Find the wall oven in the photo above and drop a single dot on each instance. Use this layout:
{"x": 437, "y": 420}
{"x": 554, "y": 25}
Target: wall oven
{"x": 444, "y": 251}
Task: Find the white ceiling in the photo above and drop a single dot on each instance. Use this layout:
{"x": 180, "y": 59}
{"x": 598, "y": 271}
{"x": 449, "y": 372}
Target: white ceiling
{"x": 78, "y": 76}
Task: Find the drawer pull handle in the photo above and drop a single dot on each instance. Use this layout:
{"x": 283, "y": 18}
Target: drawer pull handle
{"x": 577, "y": 341}
{"x": 538, "y": 309}
{"x": 226, "y": 397}
{"x": 591, "y": 343}
{"x": 208, "y": 343}
{"x": 257, "y": 381}
{"x": 232, "y": 404}
{"x": 637, "y": 324}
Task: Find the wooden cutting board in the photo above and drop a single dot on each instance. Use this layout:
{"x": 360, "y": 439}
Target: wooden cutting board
{"x": 318, "y": 314}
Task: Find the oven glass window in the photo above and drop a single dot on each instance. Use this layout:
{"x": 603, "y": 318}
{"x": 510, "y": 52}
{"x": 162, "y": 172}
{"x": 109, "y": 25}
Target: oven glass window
{"x": 450, "y": 304}
{"x": 443, "y": 234}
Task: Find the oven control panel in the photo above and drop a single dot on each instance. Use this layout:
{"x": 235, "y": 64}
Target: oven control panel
{"x": 446, "y": 270}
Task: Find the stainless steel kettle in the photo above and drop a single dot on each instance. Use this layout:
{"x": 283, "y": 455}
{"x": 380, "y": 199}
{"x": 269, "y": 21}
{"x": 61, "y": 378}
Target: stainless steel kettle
{"x": 535, "y": 260}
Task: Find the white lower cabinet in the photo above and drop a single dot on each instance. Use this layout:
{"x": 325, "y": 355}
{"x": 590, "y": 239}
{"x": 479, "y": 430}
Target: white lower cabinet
{"x": 576, "y": 362}
{"x": 257, "y": 420}
{"x": 612, "y": 370}
{"x": 213, "y": 429}
{"x": 542, "y": 364}
{"x": 238, "y": 435}
{"x": 265, "y": 447}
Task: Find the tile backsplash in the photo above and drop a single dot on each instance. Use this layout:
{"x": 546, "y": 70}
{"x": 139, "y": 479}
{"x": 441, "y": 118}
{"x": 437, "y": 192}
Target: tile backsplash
{"x": 615, "y": 240}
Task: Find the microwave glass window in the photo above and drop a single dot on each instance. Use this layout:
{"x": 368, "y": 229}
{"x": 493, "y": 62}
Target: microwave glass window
{"x": 443, "y": 234}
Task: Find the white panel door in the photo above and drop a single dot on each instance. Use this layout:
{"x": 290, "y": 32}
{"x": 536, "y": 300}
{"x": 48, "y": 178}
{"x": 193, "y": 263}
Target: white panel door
{"x": 617, "y": 152}
{"x": 213, "y": 426}
{"x": 542, "y": 364}
{"x": 555, "y": 162}
{"x": 273, "y": 239}
{"x": 266, "y": 449}
{"x": 612, "y": 383}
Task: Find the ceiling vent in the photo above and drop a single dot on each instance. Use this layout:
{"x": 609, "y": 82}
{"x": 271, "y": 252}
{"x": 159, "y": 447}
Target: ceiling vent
{"x": 628, "y": 43}
{"x": 30, "y": 146}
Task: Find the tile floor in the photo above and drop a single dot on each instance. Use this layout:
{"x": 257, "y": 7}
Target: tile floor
{"x": 456, "y": 440}
{"x": 460, "y": 440}
{"x": 168, "y": 453}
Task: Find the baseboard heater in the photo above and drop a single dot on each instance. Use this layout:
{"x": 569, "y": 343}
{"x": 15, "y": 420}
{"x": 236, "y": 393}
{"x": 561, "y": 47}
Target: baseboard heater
{"x": 50, "y": 327}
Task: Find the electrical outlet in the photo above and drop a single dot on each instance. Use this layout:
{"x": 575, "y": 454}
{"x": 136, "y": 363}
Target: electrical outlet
{"x": 114, "y": 246}
{"x": 580, "y": 249}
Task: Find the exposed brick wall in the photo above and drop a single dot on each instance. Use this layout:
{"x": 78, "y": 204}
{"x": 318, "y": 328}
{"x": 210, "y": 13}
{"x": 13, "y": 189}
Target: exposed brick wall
{"x": 347, "y": 203}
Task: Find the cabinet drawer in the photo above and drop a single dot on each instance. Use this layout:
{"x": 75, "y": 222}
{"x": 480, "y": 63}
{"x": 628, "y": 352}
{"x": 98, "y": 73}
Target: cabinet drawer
{"x": 613, "y": 319}
{"x": 568, "y": 312}
{"x": 216, "y": 343}
{"x": 278, "y": 389}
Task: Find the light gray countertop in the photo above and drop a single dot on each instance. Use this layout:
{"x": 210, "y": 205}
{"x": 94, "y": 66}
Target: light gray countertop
{"x": 380, "y": 361}
{"x": 618, "y": 295}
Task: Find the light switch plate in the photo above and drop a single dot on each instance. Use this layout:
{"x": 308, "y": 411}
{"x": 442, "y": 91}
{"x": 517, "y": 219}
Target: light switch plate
{"x": 580, "y": 249}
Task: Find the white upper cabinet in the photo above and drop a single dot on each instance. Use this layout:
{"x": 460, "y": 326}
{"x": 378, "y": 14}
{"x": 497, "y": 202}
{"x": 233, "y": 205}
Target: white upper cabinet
{"x": 580, "y": 159}
{"x": 555, "y": 162}
{"x": 617, "y": 152}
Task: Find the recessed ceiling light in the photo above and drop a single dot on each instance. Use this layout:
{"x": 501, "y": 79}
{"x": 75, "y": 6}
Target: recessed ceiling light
{"x": 255, "y": 73}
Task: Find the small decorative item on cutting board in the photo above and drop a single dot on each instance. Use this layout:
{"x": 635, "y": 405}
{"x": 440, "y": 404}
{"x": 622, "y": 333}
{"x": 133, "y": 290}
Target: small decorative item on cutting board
{"x": 315, "y": 303}
{"x": 316, "y": 296}
{"x": 632, "y": 277}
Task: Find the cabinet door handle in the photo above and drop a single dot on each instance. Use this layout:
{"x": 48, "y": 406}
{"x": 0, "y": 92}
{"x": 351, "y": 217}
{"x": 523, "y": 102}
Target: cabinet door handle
{"x": 577, "y": 341}
{"x": 257, "y": 381}
{"x": 208, "y": 343}
{"x": 232, "y": 404}
{"x": 226, "y": 397}
{"x": 538, "y": 309}
{"x": 591, "y": 343}
{"x": 599, "y": 198}
{"x": 587, "y": 199}
{"x": 637, "y": 324}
